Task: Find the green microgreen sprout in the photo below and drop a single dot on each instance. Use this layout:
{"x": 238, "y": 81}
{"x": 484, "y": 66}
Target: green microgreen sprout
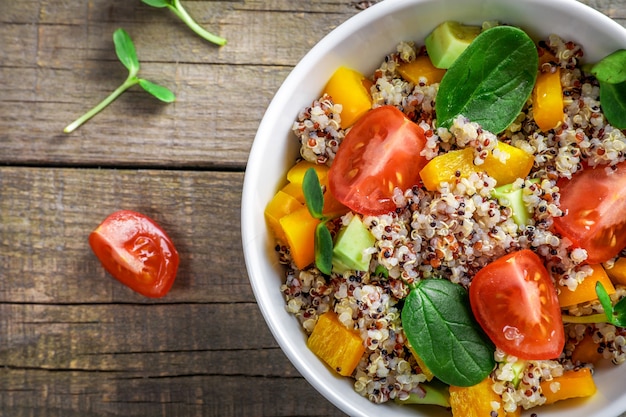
{"x": 125, "y": 50}
{"x": 177, "y": 8}
{"x": 613, "y": 314}
{"x": 314, "y": 198}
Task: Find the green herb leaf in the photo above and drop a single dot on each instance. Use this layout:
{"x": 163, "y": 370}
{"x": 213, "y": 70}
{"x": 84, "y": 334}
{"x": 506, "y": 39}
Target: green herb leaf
{"x": 613, "y": 101}
{"x": 156, "y": 3}
{"x": 160, "y": 92}
{"x": 490, "y": 81}
{"x": 612, "y": 68}
{"x": 313, "y": 195}
{"x": 381, "y": 271}
{"x": 440, "y": 327}
{"x": 125, "y": 50}
{"x": 323, "y": 249}
{"x": 615, "y": 315}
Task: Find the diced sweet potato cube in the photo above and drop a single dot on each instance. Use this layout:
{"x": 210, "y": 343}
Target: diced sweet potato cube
{"x": 477, "y": 401}
{"x": 586, "y": 290}
{"x": 341, "y": 348}
{"x": 572, "y": 384}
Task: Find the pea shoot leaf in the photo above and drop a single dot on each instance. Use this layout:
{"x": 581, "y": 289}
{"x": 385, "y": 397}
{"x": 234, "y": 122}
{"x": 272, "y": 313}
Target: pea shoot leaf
{"x": 441, "y": 329}
{"x": 313, "y": 194}
{"x": 323, "y": 249}
{"x": 158, "y": 91}
{"x": 615, "y": 315}
{"x": 125, "y": 50}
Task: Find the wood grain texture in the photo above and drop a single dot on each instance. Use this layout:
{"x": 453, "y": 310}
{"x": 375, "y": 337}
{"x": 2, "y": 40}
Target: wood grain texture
{"x": 73, "y": 341}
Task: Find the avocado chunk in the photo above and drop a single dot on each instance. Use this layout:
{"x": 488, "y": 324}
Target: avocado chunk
{"x": 436, "y": 393}
{"x": 350, "y": 243}
{"x": 448, "y": 41}
{"x": 514, "y": 199}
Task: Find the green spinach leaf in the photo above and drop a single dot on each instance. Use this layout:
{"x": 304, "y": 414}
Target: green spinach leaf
{"x": 440, "y": 327}
{"x": 613, "y": 101}
{"x": 612, "y": 68}
{"x": 323, "y": 249}
{"x": 490, "y": 81}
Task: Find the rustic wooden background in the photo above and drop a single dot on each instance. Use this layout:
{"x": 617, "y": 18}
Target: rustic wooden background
{"x": 74, "y": 342}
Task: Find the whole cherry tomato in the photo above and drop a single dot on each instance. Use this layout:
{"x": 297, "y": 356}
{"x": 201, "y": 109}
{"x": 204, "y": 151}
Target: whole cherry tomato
{"x": 137, "y": 252}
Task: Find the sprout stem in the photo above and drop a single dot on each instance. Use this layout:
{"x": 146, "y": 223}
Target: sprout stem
{"x": 180, "y": 11}
{"x": 130, "y": 81}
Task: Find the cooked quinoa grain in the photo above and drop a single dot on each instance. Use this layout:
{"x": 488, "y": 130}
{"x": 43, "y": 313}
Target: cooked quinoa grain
{"x": 457, "y": 230}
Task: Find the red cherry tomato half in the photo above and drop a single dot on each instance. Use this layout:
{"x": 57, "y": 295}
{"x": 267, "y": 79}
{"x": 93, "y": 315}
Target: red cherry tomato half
{"x": 137, "y": 252}
{"x": 515, "y": 302}
{"x": 379, "y": 153}
{"x": 594, "y": 203}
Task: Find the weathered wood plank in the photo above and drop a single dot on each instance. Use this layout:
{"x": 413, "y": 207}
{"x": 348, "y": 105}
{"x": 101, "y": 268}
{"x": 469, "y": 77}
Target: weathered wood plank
{"x": 47, "y": 214}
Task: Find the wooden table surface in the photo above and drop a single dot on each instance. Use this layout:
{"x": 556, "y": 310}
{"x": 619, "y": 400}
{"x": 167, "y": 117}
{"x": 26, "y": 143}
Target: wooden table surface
{"x": 73, "y": 341}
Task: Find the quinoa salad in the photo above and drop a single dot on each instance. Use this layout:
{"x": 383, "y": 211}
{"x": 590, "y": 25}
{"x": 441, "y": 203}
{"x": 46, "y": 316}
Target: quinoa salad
{"x": 459, "y": 228}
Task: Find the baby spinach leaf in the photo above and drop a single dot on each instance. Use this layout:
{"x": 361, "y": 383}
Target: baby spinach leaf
{"x": 440, "y": 327}
{"x": 613, "y": 101}
{"x": 490, "y": 81}
{"x": 612, "y": 68}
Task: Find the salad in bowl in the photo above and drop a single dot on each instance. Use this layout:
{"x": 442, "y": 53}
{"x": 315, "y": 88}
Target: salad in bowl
{"x": 434, "y": 211}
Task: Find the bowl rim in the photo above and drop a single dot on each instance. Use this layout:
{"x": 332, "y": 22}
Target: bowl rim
{"x": 255, "y": 168}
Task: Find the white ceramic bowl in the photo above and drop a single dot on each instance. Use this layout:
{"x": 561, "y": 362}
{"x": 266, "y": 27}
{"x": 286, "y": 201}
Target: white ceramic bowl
{"x": 361, "y": 43}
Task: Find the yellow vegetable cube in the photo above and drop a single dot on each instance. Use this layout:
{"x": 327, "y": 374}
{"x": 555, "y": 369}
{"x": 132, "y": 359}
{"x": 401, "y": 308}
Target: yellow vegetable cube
{"x": 347, "y": 87}
{"x": 572, "y": 384}
{"x": 586, "y": 290}
{"x": 477, "y": 401}
{"x": 421, "y": 67}
{"x": 444, "y": 168}
{"x": 341, "y": 348}
{"x": 548, "y": 100}
{"x": 299, "y": 228}
{"x": 281, "y": 205}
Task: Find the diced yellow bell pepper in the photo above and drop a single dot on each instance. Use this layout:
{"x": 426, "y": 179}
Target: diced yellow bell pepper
{"x": 425, "y": 370}
{"x": 281, "y": 205}
{"x": 296, "y": 173}
{"x": 618, "y": 272}
{"x": 548, "y": 100}
{"x": 299, "y": 228}
{"x": 348, "y": 88}
{"x": 421, "y": 67}
{"x": 586, "y": 290}
{"x": 444, "y": 168}
{"x": 477, "y": 401}
{"x": 586, "y": 351}
{"x": 572, "y": 384}
{"x": 341, "y": 348}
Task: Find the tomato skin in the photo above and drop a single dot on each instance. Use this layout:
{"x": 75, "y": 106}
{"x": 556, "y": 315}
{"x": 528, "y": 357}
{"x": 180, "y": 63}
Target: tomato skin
{"x": 136, "y": 252}
{"x": 594, "y": 203}
{"x": 379, "y": 153}
{"x": 515, "y": 302}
